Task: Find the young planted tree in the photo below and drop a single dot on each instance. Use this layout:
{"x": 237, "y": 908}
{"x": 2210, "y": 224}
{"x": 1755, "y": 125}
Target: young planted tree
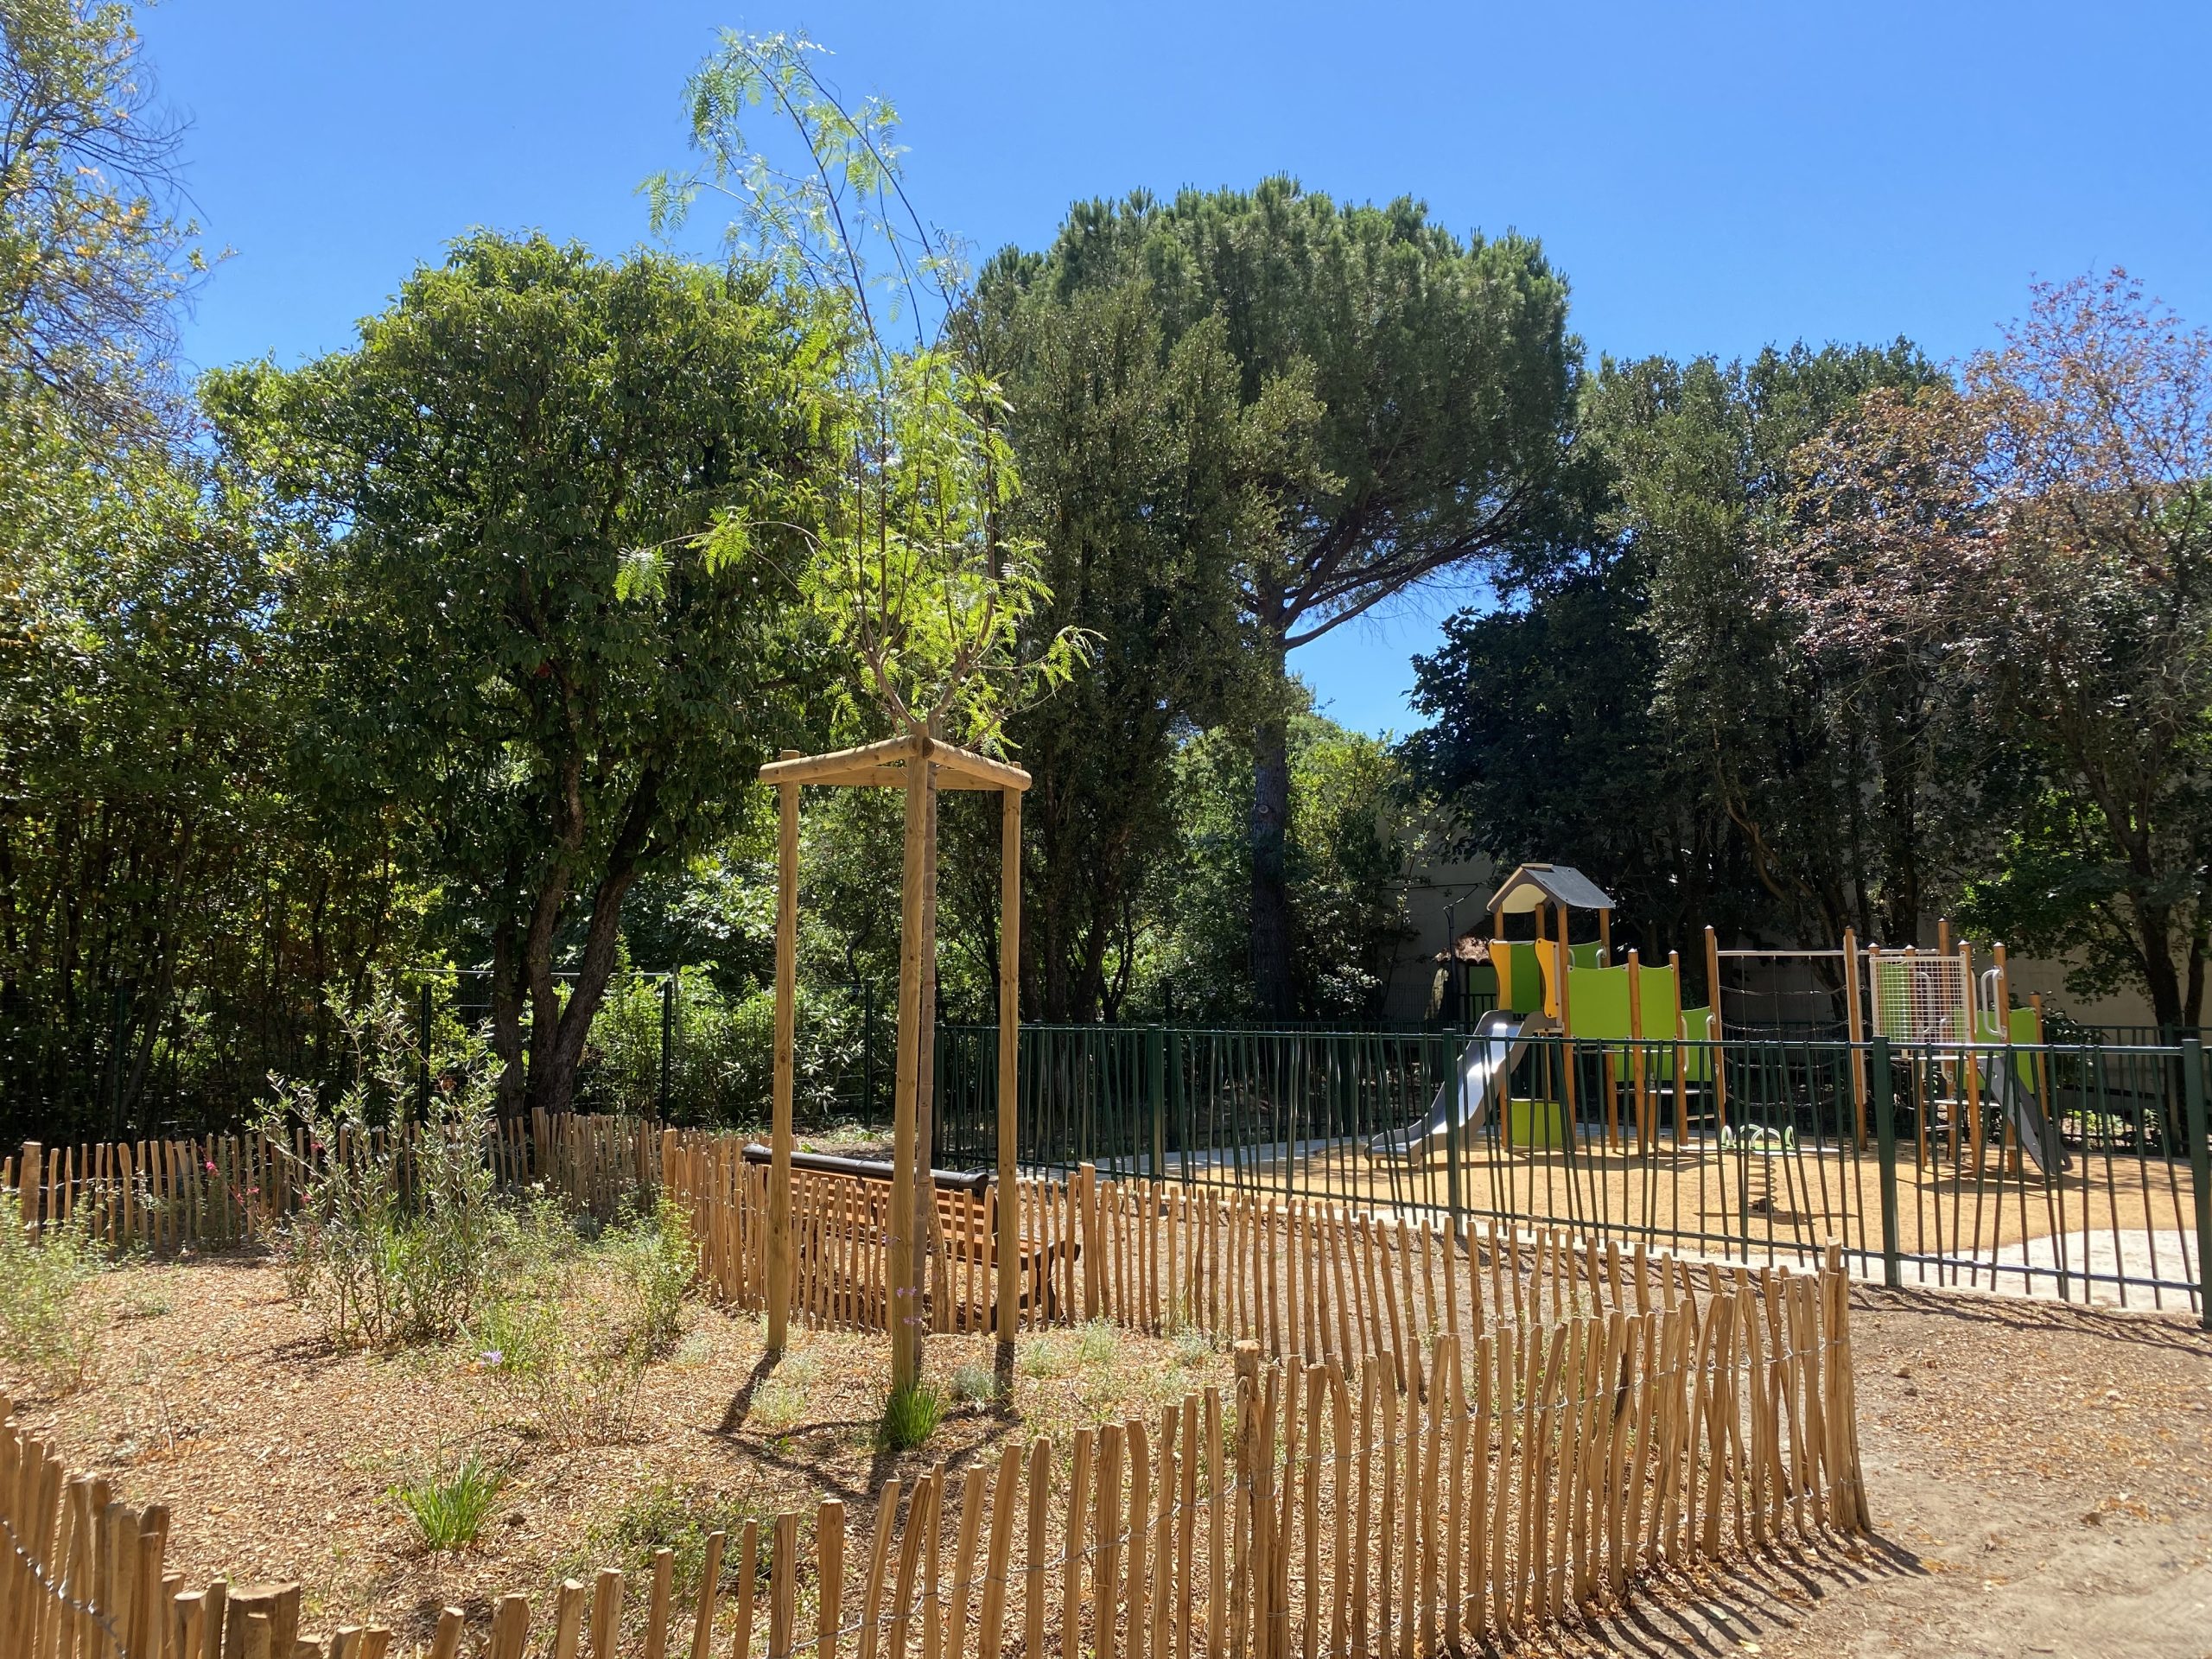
{"x": 2045, "y": 532}
{"x": 531, "y": 650}
{"x": 912, "y": 572}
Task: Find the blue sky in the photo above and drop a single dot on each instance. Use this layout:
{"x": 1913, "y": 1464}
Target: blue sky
{"x": 1711, "y": 178}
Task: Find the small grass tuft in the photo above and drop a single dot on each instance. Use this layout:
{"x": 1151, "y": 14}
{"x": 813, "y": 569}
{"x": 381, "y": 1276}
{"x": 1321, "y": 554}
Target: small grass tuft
{"x": 1099, "y": 1344}
{"x": 449, "y": 1512}
{"x": 911, "y": 1415}
{"x": 679, "y": 1519}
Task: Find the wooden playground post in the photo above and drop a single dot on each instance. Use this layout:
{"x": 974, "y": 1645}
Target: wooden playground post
{"x": 1969, "y": 1077}
{"x": 1719, "y": 1055}
{"x": 1635, "y": 1051}
{"x": 1009, "y": 1242}
{"x": 1854, "y": 1027}
{"x": 2041, "y": 1062}
{"x": 1611, "y": 1075}
{"x": 779, "y": 1177}
{"x": 1567, "y": 1029}
{"x": 1681, "y": 1119}
{"x": 2010, "y": 1140}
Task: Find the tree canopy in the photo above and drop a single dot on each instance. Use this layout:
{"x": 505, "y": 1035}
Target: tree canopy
{"x": 1417, "y": 391}
{"x": 532, "y": 649}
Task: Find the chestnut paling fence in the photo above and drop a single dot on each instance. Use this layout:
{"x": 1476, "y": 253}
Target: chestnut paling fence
{"x": 1514, "y": 1481}
{"x": 1434, "y": 1434}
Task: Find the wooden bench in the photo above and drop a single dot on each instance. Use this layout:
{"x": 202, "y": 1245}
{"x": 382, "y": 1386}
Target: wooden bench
{"x": 964, "y": 1229}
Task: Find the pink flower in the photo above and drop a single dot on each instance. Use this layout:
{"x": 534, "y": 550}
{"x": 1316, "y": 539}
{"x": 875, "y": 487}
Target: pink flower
{"x": 211, "y": 1166}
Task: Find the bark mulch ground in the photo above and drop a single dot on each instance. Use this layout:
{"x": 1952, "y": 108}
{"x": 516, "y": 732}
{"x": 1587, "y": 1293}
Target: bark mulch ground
{"x": 2041, "y": 1477}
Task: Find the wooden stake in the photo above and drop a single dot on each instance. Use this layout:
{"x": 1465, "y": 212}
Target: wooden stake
{"x": 905, "y": 1315}
{"x": 1009, "y": 1235}
{"x": 779, "y": 1179}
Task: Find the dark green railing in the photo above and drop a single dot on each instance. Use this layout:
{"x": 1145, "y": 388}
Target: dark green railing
{"x": 2084, "y": 1177}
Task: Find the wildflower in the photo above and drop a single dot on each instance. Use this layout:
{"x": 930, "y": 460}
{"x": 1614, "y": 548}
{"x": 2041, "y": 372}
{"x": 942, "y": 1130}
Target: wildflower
{"x": 493, "y": 1358}
{"x": 211, "y": 1166}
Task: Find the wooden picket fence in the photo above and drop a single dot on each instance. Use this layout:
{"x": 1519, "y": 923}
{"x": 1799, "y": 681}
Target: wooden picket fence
{"x": 1399, "y": 1506}
{"x": 222, "y": 1191}
{"x": 1325, "y": 1281}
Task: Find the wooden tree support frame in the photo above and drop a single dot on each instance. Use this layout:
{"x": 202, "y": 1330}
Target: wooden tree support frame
{"x": 921, "y": 766}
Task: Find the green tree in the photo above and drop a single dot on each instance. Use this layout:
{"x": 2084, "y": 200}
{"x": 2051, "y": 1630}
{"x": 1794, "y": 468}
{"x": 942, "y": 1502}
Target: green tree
{"x": 533, "y": 652}
{"x": 1421, "y": 391}
{"x": 94, "y": 253}
{"x": 1543, "y": 744}
{"x": 1827, "y": 771}
{"x": 1640, "y": 704}
{"x": 1345, "y": 852}
{"x": 1142, "y": 478}
{"x": 171, "y": 916}
{"x": 2044, "y": 535}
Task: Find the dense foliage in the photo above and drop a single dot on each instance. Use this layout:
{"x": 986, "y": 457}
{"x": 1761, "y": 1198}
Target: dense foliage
{"x": 1403, "y": 404}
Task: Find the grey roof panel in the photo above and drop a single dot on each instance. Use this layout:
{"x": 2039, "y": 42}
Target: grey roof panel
{"x": 1560, "y": 884}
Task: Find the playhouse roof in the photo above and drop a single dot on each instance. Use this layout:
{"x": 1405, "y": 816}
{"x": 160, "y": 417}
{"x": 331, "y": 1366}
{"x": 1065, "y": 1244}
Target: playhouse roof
{"x": 1533, "y": 885}
{"x": 884, "y": 765}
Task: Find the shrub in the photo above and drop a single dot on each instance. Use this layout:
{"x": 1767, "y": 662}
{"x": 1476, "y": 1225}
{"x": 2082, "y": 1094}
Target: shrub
{"x": 399, "y": 1232}
{"x": 975, "y": 1384}
{"x": 449, "y": 1512}
{"x": 911, "y": 1415}
{"x": 680, "y": 1520}
{"x": 722, "y": 1060}
{"x": 657, "y": 1261}
{"x": 569, "y": 1341}
{"x": 49, "y": 1328}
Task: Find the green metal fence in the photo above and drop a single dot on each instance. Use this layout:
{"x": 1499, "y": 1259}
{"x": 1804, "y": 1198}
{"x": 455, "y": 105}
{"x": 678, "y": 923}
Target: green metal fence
{"x": 2071, "y": 1171}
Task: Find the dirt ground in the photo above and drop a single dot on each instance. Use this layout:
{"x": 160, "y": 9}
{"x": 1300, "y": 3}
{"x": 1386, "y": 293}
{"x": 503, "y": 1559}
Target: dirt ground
{"x": 2041, "y": 1480}
{"x": 215, "y": 1395}
{"x": 2106, "y": 1214}
{"x": 2041, "y": 1477}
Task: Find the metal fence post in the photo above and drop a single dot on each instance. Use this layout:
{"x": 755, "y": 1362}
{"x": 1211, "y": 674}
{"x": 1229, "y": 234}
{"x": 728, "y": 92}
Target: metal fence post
{"x": 1885, "y": 1152}
{"x": 867, "y": 1058}
{"x": 2200, "y": 1170}
{"x": 667, "y": 1044}
{"x": 1155, "y": 1064}
{"x": 422, "y": 1056}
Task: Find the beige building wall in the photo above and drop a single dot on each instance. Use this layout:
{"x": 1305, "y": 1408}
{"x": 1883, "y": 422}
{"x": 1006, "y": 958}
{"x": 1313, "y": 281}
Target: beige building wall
{"x": 1443, "y": 897}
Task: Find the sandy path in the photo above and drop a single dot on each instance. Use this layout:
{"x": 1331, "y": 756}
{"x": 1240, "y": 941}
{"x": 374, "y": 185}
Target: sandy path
{"x": 2042, "y": 1483}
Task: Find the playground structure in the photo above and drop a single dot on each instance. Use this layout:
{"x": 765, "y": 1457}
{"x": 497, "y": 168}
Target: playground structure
{"x": 1889, "y": 1097}
{"x": 1654, "y": 1052}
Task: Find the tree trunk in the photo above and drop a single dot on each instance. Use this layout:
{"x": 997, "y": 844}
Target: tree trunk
{"x": 1272, "y": 987}
{"x": 2154, "y": 930}
{"x": 506, "y": 1017}
{"x": 558, "y": 1035}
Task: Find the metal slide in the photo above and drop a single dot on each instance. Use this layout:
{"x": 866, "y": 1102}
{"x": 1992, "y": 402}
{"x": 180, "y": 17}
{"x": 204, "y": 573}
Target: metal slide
{"x": 2038, "y": 1135}
{"x": 1485, "y": 1064}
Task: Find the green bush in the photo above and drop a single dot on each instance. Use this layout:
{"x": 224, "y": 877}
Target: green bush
{"x": 399, "y": 1232}
{"x": 722, "y": 1060}
{"x": 570, "y": 1340}
{"x": 449, "y": 1512}
{"x": 657, "y": 1261}
{"x": 49, "y": 1328}
{"x": 975, "y": 1384}
{"x": 680, "y": 1520}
